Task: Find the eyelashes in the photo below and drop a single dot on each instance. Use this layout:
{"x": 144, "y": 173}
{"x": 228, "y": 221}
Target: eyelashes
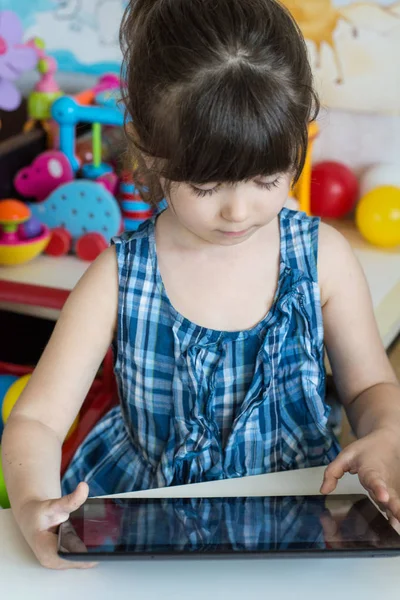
{"x": 203, "y": 193}
{"x": 265, "y": 186}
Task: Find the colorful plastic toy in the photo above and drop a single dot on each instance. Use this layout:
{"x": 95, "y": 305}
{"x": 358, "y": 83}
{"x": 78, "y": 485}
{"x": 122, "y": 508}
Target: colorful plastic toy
{"x": 378, "y": 216}
{"x": 4, "y": 501}
{"x": 15, "y": 58}
{"x": 12, "y": 395}
{"x": 48, "y": 171}
{"x": 67, "y": 113}
{"x": 334, "y": 190}
{"x": 15, "y": 247}
{"x": 134, "y": 210}
{"x": 5, "y": 383}
{"x": 107, "y": 82}
{"x": 30, "y": 229}
{"x": 83, "y": 215}
{"x": 301, "y": 190}
{"x": 45, "y": 92}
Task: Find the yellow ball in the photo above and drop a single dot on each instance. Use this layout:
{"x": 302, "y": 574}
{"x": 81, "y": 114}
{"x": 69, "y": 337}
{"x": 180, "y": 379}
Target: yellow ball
{"x": 378, "y": 216}
{"x": 12, "y": 395}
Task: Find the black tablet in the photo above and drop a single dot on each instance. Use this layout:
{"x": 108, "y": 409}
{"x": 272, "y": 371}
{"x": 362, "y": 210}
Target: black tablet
{"x": 227, "y": 527}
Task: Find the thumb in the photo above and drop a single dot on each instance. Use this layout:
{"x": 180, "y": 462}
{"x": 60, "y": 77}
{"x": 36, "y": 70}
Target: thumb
{"x": 58, "y": 510}
{"x": 335, "y": 471}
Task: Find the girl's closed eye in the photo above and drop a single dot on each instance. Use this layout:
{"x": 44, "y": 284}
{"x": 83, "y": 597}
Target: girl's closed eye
{"x": 269, "y": 185}
{"x": 265, "y": 185}
{"x": 202, "y": 192}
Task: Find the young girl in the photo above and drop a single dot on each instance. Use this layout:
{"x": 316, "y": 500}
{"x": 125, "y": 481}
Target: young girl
{"x": 219, "y": 309}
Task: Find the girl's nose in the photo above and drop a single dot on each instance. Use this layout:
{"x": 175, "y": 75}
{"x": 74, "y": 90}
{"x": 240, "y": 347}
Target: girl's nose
{"x": 235, "y": 208}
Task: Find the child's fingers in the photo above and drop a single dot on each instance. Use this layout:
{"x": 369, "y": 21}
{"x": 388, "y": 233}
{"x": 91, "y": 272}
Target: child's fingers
{"x": 394, "y": 506}
{"x": 334, "y": 472}
{"x": 59, "y": 510}
{"x": 374, "y": 484}
{"x": 71, "y": 542}
{"x": 46, "y": 552}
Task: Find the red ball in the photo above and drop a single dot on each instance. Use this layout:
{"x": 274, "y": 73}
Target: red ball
{"x": 334, "y": 190}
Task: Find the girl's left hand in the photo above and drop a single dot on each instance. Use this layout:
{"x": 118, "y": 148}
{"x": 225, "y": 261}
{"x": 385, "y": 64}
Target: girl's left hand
{"x": 376, "y": 460}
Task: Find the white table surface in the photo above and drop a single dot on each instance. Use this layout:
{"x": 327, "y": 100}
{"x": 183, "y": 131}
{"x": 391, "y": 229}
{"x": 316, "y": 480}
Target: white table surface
{"x": 22, "y": 578}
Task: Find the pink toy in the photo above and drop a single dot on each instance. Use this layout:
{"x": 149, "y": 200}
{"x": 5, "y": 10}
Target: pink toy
{"x": 107, "y": 82}
{"x": 47, "y": 172}
{"x": 45, "y": 92}
{"x": 47, "y": 67}
{"x": 110, "y": 182}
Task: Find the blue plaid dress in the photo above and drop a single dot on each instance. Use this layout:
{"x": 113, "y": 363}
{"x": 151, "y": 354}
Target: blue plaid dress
{"x": 198, "y": 404}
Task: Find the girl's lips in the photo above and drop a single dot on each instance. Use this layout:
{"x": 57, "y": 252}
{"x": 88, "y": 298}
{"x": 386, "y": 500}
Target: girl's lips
{"x": 235, "y": 233}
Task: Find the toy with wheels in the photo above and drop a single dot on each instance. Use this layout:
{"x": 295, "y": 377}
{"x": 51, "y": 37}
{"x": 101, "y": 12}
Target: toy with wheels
{"x": 83, "y": 215}
{"x": 22, "y": 237}
{"x": 334, "y": 190}
{"x": 48, "y": 171}
{"x": 378, "y": 216}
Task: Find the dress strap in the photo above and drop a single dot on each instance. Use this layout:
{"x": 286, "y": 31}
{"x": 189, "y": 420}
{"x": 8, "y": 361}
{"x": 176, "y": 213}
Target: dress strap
{"x": 299, "y": 242}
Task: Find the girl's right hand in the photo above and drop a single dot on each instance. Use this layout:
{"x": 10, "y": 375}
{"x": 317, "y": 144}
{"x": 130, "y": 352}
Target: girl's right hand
{"x": 39, "y": 521}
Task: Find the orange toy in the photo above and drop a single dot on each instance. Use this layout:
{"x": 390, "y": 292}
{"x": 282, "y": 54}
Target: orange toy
{"x": 14, "y": 248}
{"x": 301, "y": 190}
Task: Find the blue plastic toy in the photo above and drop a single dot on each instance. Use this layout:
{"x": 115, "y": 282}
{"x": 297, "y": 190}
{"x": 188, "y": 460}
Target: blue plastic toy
{"x": 83, "y": 210}
{"x": 67, "y": 113}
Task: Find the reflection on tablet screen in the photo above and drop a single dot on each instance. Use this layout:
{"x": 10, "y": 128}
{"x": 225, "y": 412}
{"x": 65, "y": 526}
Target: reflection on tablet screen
{"x": 229, "y": 525}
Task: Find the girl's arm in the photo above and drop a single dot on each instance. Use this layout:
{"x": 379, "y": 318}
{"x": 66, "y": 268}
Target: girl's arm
{"x": 363, "y": 375}
{"x": 38, "y": 424}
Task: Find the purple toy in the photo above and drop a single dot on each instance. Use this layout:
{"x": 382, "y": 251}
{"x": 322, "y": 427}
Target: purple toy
{"x": 31, "y": 229}
{"x": 15, "y": 58}
{"x": 47, "y": 172}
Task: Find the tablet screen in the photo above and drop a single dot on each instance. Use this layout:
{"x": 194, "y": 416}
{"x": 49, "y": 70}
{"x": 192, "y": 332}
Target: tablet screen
{"x": 227, "y": 525}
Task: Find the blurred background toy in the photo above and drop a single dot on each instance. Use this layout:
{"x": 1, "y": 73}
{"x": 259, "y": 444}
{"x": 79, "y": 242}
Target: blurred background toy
{"x": 20, "y": 240}
{"x": 106, "y": 83}
{"x": 15, "y": 58}
{"x": 134, "y": 210}
{"x": 334, "y": 190}
{"x": 301, "y": 191}
{"x": 5, "y": 383}
{"x": 48, "y": 171}
{"x": 67, "y": 113}
{"x": 83, "y": 215}
{"x": 378, "y": 216}
{"x": 45, "y": 92}
{"x": 4, "y": 501}
{"x": 12, "y": 395}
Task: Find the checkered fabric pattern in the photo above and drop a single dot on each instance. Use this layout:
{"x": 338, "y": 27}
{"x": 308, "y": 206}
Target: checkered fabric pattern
{"x": 198, "y": 404}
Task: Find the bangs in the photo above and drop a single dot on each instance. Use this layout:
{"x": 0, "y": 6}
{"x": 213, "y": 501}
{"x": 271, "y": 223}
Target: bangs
{"x": 234, "y": 126}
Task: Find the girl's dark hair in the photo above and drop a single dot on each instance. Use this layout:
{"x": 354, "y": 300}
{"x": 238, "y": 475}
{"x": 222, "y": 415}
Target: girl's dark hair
{"x": 217, "y": 90}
